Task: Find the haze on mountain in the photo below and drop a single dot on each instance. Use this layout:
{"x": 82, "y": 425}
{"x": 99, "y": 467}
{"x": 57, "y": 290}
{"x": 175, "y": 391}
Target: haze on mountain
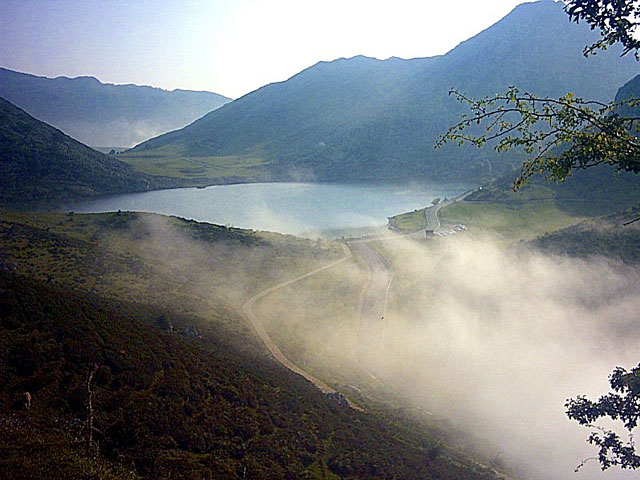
{"x": 378, "y": 120}
{"x": 598, "y": 190}
{"x": 39, "y": 162}
{"x": 105, "y": 115}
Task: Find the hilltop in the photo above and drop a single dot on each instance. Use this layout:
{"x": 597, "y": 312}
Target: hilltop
{"x": 378, "y": 120}
{"x": 39, "y": 162}
{"x": 105, "y": 115}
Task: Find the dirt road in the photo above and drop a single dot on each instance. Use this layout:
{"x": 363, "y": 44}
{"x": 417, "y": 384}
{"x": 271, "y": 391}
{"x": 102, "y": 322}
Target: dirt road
{"x": 247, "y": 310}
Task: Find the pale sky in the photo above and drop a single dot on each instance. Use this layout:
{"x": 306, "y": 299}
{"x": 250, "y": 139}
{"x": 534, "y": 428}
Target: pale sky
{"x": 229, "y": 47}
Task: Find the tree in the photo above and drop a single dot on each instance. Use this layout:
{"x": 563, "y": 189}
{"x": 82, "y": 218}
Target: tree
{"x": 622, "y": 404}
{"x": 566, "y": 133}
{"x": 560, "y": 135}
{"x": 617, "y": 21}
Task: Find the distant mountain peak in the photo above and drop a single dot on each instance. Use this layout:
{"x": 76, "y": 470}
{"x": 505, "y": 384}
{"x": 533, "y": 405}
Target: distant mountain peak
{"x": 362, "y": 118}
{"x": 40, "y": 163}
{"x": 105, "y": 114}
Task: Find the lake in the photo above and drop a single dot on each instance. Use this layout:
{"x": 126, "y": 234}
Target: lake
{"x": 306, "y": 209}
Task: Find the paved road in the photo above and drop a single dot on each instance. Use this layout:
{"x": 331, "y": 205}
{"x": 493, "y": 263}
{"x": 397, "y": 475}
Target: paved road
{"x": 431, "y": 213}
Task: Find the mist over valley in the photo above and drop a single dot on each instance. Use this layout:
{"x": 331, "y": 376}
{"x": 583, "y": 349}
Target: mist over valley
{"x": 305, "y": 209}
{"x": 296, "y": 284}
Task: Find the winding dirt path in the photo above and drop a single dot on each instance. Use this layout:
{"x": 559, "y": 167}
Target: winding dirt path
{"x": 247, "y": 310}
{"x": 373, "y": 297}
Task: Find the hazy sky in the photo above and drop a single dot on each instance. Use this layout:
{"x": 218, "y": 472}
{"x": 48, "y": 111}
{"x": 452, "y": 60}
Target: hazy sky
{"x": 227, "y": 46}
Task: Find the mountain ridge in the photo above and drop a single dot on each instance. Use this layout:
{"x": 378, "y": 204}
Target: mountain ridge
{"x": 105, "y": 114}
{"x": 41, "y": 163}
{"x": 370, "y": 119}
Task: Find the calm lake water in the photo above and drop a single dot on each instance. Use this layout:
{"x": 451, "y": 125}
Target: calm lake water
{"x": 308, "y": 209}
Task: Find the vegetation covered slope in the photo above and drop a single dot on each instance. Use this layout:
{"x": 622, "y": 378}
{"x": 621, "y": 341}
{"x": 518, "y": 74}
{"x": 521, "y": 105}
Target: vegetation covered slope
{"x": 175, "y": 394}
{"x": 630, "y": 90}
{"x": 39, "y": 162}
{"x": 596, "y": 191}
{"x": 105, "y": 115}
{"x": 599, "y": 190}
{"x": 367, "y": 119}
{"x": 604, "y": 237}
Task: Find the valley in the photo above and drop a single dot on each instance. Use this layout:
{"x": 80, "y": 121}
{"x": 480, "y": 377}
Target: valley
{"x": 154, "y": 276}
{"x": 370, "y": 264}
{"x": 366, "y": 324}
{"x": 370, "y": 120}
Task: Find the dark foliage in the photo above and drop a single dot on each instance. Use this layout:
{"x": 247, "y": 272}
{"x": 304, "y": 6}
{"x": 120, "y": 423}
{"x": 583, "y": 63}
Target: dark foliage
{"x": 171, "y": 406}
{"x": 38, "y": 162}
{"x": 622, "y": 404}
{"x": 605, "y": 237}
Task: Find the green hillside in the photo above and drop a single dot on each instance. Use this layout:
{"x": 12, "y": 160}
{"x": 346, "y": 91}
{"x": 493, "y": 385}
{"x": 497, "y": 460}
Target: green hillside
{"x": 367, "y": 119}
{"x": 40, "y": 163}
{"x": 105, "y": 115}
{"x": 603, "y": 237}
{"x": 180, "y": 386}
{"x": 588, "y": 192}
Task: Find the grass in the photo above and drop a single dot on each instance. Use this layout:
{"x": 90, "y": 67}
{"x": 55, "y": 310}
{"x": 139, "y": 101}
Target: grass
{"x": 314, "y": 322}
{"x": 169, "y": 405}
{"x": 186, "y": 266}
{"x": 510, "y": 222}
{"x": 409, "y": 222}
{"x": 605, "y": 237}
{"x": 170, "y": 161}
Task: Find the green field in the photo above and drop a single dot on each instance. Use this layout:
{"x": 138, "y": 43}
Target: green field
{"x": 408, "y": 222}
{"x": 510, "y": 223}
{"x": 170, "y": 161}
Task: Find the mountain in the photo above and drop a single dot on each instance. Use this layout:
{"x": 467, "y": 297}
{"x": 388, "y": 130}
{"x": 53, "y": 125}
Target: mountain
{"x": 105, "y": 115}
{"x": 368, "y": 119}
{"x": 39, "y": 162}
{"x": 594, "y": 191}
{"x": 630, "y": 90}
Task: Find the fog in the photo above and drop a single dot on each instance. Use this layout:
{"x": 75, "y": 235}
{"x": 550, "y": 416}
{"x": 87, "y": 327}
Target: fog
{"x": 493, "y": 340}
{"x": 497, "y": 341}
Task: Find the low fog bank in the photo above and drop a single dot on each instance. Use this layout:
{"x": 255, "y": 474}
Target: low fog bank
{"x": 497, "y": 341}
{"x": 493, "y": 341}
{"x": 205, "y": 265}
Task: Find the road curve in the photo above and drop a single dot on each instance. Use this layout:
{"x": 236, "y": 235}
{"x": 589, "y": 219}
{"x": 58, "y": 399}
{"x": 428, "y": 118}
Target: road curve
{"x": 254, "y": 320}
{"x": 373, "y": 297}
{"x": 431, "y": 213}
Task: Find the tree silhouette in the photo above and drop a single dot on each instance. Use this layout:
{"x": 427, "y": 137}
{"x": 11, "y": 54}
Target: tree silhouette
{"x": 566, "y": 133}
{"x": 623, "y": 404}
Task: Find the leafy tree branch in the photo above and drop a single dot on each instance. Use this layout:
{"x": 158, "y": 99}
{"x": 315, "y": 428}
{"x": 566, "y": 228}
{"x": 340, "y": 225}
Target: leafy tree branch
{"x": 558, "y": 134}
{"x": 623, "y": 404}
{"x": 617, "y": 21}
